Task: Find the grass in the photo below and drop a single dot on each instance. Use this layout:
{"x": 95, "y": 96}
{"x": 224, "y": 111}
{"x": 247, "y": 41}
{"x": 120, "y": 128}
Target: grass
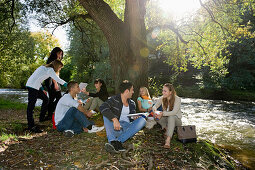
{"x": 7, "y": 104}
{"x": 5, "y": 137}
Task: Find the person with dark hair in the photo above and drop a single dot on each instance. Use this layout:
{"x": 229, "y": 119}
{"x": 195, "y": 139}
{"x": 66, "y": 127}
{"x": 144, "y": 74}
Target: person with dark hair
{"x": 118, "y": 125}
{"x": 52, "y": 86}
{"x": 70, "y": 117}
{"x": 171, "y": 115}
{"x": 35, "y": 90}
{"x": 98, "y": 98}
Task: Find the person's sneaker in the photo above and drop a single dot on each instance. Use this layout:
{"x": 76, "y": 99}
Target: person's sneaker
{"x": 35, "y": 129}
{"x": 109, "y": 147}
{"x": 68, "y": 133}
{"x": 95, "y": 129}
{"x": 119, "y": 146}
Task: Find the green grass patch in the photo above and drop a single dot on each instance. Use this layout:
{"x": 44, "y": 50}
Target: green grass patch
{"x": 5, "y": 137}
{"x": 7, "y": 104}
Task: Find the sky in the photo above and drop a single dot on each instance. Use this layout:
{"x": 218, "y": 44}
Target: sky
{"x": 179, "y": 8}
{"x": 60, "y": 33}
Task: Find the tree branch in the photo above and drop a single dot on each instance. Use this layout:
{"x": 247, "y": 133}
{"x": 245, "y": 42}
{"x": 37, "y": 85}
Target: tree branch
{"x": 213, "y": 17}
{"x": 172, "y": 28}
{"x": 105, "y": 18}
{"x": 199, "y": 46}
{"x": 71, "y": 18}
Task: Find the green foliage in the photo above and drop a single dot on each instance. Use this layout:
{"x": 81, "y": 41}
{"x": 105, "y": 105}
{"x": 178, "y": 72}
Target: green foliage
{"x": 155, "y": 88}
{"x": 21, "y": 52}
{"x": 220, "y": 43}
{"x": 67, "y": 70}
{"x": 241, "y": 67}
{"x": 118, "y": 7}
{"x": 216, "y": 40}
{"x": 89, "y": 54}
{"x": 5, "y": 137}
{"x": 102, "y": 70}
{"x": 6, "y": 104}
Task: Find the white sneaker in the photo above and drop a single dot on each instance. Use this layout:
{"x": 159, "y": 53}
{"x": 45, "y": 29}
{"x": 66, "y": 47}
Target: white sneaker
{"x": 95, "y": 129}
{"x": 93, "y": 112}
{"x": 68, "y": 133}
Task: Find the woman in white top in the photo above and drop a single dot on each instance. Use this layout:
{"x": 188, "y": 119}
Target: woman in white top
{"x": 35, "y": 90}
{"x": 171, "y": 115}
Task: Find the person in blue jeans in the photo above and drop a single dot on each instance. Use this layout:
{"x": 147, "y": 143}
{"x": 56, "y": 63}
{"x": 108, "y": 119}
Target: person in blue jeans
{"x": 118, "y": 125}
{"x": 70, "y": 117}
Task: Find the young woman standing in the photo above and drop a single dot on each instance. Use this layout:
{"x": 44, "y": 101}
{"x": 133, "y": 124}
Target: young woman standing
{"x": 35, "y": 90}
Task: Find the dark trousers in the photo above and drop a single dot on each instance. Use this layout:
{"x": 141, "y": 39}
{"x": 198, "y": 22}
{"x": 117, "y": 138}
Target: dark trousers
{"x": 33, "y": 95}
{"x": 54, "y": 97}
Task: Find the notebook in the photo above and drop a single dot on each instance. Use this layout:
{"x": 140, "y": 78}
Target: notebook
{"x": 139, "y": 114}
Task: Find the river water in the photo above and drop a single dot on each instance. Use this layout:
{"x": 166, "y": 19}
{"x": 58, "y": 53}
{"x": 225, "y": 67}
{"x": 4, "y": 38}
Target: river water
{"x": 231, "y": 125}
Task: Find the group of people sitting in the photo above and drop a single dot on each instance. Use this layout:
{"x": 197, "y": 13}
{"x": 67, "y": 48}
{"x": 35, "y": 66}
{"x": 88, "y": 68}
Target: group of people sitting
{"x": 72, "y": 116}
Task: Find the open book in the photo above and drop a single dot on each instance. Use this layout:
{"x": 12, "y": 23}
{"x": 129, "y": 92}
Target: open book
{"x": 83, "y": 85}
{"x": 139, "y": 114}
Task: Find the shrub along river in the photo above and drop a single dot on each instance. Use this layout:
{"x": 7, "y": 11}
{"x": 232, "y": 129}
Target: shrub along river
{"x": 230, "y": 125}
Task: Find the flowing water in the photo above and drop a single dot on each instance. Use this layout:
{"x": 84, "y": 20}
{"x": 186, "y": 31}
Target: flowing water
{"x": 230, "y": 125}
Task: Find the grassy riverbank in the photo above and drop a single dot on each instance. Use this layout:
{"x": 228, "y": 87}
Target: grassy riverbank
{"x": 51, "y": 150}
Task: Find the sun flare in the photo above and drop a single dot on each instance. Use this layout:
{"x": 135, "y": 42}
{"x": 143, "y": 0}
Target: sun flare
{"x": 179, "y": 8}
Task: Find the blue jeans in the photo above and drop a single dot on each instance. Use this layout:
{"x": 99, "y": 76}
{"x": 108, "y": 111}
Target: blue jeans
{"x": 128, "y": 129}
{"x": 74, "y": 120}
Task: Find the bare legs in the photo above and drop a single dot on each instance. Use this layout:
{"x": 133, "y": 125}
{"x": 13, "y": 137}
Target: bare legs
{"x": 169, "y": 123}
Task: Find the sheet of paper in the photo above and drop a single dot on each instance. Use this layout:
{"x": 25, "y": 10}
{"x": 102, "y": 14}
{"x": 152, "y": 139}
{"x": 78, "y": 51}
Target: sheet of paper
{"x": 83, "y": 85}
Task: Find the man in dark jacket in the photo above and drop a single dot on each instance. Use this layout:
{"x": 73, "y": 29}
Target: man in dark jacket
{"x": 115, "y": 112}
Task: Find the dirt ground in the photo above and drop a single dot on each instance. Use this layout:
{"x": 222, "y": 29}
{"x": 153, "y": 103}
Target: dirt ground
{"x": 20, "y": 149}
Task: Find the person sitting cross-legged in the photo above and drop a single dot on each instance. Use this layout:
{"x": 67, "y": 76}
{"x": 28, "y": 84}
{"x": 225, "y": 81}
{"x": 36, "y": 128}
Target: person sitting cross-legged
{"x": 70, "y": 116}
{"x": 115, "y": 112}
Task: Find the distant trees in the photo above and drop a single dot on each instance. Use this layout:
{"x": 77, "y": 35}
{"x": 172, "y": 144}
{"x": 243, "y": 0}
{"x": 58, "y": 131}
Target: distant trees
{"x": 20, "y": 51}
{"x": 217, "y": 42}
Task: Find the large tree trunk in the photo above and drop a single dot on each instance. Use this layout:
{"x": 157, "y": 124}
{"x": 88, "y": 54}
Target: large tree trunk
{"x": 126, "y": 40}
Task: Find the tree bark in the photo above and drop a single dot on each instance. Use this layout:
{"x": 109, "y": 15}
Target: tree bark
{"x": 126, "y": 40}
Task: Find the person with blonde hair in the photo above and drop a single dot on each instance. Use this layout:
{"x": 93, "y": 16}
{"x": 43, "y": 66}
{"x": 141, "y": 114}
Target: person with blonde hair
{"x": 144, "y": 100}
{"x": 171, "y": 115}
{"x": 145, "y": 105}
{"x": 35, "y": 90}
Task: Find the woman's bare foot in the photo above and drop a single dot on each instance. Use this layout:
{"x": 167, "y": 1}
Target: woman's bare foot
{"x": 167, "y": 142}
